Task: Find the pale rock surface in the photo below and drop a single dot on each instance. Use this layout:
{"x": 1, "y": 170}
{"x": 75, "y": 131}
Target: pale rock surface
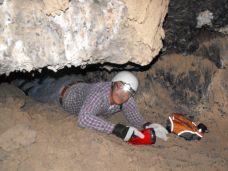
{"x": 16, "y": 137}
{"x": 58, "y": 33}
{"x": 55, "y": 7}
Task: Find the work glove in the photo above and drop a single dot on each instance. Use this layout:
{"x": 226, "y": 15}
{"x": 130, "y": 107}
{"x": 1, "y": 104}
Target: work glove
{"x": 126, "y": 132}
{"x": 160, "y": 131}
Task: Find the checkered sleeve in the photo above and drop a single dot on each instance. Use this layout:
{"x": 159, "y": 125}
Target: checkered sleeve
{"x": 87, "y": 115}
{"x": 132, "y": 114}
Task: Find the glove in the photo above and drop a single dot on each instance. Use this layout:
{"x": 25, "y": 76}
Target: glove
{"x": 160, "y": 131}
{"x": 126, "y": 132}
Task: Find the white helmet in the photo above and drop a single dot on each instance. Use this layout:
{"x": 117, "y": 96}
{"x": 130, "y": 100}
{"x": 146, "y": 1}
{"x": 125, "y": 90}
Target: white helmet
{"x": 127, "y": 78}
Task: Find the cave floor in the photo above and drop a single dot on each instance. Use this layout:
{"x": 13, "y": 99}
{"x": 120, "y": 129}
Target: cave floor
{"x": 61, "y": 145}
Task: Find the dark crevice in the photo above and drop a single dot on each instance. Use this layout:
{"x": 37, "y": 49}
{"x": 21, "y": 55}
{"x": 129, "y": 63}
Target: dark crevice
{"x": 181, "y": 23}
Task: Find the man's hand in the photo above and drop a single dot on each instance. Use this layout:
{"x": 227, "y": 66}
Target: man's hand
{"x": 160, "y": 131}
{"x": 126, "y": 132}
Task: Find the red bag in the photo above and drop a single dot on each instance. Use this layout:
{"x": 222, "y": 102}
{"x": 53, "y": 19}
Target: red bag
{"x": 149, "y": 137}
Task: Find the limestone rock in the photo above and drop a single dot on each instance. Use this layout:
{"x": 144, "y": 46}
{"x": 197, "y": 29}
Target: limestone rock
{"x": 79, "y": 32}
{"x": 54, "y": 7}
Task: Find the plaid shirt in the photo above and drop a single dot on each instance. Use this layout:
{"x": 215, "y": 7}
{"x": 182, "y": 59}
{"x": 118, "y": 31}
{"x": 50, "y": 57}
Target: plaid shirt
{"x": 91, "y": 103}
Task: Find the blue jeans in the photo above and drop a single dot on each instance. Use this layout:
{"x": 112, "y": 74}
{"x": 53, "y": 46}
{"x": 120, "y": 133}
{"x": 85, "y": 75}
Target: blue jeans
{"x": 45, "y": 89}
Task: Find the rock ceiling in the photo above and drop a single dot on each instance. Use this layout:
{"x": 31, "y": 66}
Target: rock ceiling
{"x": 58, "y": 33}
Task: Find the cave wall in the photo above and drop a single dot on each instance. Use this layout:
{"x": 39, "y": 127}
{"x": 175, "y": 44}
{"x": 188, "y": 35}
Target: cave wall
{"x": 189, "y": 84}
{"x": 187, "y": 19}
{"x": 58, "y": 33}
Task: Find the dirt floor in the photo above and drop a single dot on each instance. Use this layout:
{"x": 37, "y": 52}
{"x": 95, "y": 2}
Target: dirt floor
{"x": 42, "y": 137}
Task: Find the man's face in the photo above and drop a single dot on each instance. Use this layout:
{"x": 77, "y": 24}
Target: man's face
{"x": 118, "y": 95}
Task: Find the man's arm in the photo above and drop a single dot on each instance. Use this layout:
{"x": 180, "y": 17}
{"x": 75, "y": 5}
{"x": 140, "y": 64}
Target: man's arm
{"x": 132, "y": 114}
{"x": 87, "y": 115}
{"x": 87, "y": 118}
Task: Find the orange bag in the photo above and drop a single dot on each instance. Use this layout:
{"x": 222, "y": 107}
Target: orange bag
{"x": 183, "y": 126}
